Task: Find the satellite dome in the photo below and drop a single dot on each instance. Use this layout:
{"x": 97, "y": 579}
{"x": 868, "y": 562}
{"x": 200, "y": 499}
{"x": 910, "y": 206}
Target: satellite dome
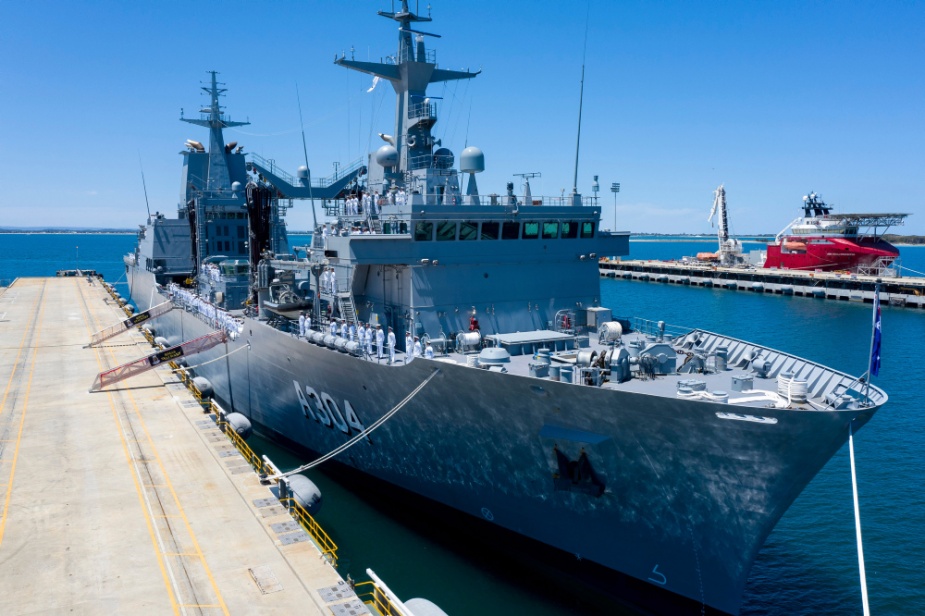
{"x": 472, "y": 160}
{"x": 235, "y": 186}
{"x": 302, "y": 172}
{"x": 387, "y": 156}
{"x": 443, "y": 158}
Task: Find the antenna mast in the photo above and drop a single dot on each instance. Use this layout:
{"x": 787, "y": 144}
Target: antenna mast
{"x": 581, "y": 98}
{"x": 143, "y": 185}
{"x": 307, "y": 168}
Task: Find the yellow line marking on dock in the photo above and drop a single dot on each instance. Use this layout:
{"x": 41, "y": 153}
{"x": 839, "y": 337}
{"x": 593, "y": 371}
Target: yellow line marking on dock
{"x": 22, "y": 343}
{"x": 168, "y": 579}
{"x": 176, "y": 500}
{"x": 22, "y": 419}
{"x": 169, "y": 486}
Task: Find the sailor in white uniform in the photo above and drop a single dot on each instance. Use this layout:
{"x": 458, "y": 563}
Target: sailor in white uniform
{"x": 369, "y": 341}
{"x": 409, "y": 343}
{"x": 429, "y": 351}
{"x": 302, "y": 325}
{"x": 417, "y": 347}
{"x": 391, "y": 346}
{"x": 380, "y": 339}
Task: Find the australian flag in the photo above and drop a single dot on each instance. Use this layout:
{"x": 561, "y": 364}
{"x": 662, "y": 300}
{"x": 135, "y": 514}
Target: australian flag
{"x": 875, "y": 347}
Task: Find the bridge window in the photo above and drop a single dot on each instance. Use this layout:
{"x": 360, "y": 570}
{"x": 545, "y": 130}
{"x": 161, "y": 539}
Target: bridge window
{"x": 550, "y": 230}
{"x": 510, "y": 231}
{"x": 531, "y": 230}
{"x": 587, "y": 230}
{"x": 570, "y": 230}
{"x": 468, "y": 230}
{"x": 446, "y": 231}
{"x": 490, "y": 230}
{"x": 423, "y": 231}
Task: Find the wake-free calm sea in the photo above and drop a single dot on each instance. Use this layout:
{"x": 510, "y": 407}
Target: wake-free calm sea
{"x": 809, "y": 563}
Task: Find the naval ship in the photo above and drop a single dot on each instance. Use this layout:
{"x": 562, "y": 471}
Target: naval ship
{"x": 661, "y": 455}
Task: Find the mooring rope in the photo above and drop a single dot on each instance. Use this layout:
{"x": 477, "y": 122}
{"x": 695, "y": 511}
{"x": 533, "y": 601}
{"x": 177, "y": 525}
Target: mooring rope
{"x": 356, "y": 439}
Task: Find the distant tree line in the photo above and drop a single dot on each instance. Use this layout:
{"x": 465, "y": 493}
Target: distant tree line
{"x": 904, "y": 239}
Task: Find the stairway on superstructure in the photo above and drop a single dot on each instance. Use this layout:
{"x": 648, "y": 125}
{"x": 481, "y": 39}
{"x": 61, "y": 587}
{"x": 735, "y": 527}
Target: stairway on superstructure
{"x": 346, "y": 308}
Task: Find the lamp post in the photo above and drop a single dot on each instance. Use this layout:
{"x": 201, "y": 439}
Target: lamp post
{"x": 615, "y": 188}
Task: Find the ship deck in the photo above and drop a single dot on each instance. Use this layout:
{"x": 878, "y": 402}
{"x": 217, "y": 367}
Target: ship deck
{"x": 128, "y": 500}
{"x": 735, "y": 381}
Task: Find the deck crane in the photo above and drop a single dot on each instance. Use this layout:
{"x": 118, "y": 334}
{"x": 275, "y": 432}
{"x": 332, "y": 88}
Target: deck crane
{"x": 730, "y": 249}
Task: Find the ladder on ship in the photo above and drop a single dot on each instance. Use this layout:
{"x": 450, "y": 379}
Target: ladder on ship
{"x": 346, "y": 308}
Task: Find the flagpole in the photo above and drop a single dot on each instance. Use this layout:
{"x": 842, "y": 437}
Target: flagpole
{"x": 873, "y": 362}
{"x": 873, "y": 335}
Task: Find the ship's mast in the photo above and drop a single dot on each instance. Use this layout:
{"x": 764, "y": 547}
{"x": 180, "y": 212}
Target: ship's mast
{"x": 410, "y": 71}
{"x": 218, "y": 178}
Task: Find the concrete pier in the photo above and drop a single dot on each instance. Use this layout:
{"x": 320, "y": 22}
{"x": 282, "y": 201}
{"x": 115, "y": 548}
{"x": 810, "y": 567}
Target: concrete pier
{"x": 129, "y": 501}
{"x": 908, "y": 292}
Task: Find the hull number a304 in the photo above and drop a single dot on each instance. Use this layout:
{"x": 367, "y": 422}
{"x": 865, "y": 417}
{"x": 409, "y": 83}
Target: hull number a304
{"x": 323, "y": 409}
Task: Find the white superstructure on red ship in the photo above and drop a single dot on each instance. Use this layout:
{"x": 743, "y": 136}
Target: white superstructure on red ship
{"x": 821, "y": 240}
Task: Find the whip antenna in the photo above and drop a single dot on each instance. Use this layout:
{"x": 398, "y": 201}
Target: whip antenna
{"x": 143, "y": 185}
{"x": 581, "y": 97}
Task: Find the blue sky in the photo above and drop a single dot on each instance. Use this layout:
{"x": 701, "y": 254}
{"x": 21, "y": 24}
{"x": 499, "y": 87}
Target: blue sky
{"x": 774, "y": 99}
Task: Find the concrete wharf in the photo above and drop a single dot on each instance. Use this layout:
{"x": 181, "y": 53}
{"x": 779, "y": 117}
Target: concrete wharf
{"x": 130, "y": 500}
{"x": 908, "y": 292}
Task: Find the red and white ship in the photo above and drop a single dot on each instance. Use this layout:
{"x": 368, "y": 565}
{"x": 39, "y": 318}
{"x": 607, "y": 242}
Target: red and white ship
{"x": 821, "y": 240}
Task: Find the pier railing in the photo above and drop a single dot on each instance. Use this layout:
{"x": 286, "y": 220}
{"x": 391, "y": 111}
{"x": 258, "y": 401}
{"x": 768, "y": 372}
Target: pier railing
{"x": 370, "y": 594}
{"x": 310, "y": 525}
{"x": 321, "y": 538}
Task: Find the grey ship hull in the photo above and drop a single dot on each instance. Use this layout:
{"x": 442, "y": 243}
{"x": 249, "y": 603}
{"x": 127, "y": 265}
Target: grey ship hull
{"x": 690, "y": 497}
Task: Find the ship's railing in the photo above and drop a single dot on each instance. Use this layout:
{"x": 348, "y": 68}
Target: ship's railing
{"x": 458, "y": 198}
{"x": 340, "y": 173}
{"x": 205, "y": 311}
{"x": 422, "y": 110}
{"x": 654, "y": 328}
{"x": 270, "y": 165}
{"x": 410, "y": 55}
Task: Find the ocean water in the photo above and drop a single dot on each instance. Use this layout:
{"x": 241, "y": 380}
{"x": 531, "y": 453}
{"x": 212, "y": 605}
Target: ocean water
{"x": 808, "y": 565}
